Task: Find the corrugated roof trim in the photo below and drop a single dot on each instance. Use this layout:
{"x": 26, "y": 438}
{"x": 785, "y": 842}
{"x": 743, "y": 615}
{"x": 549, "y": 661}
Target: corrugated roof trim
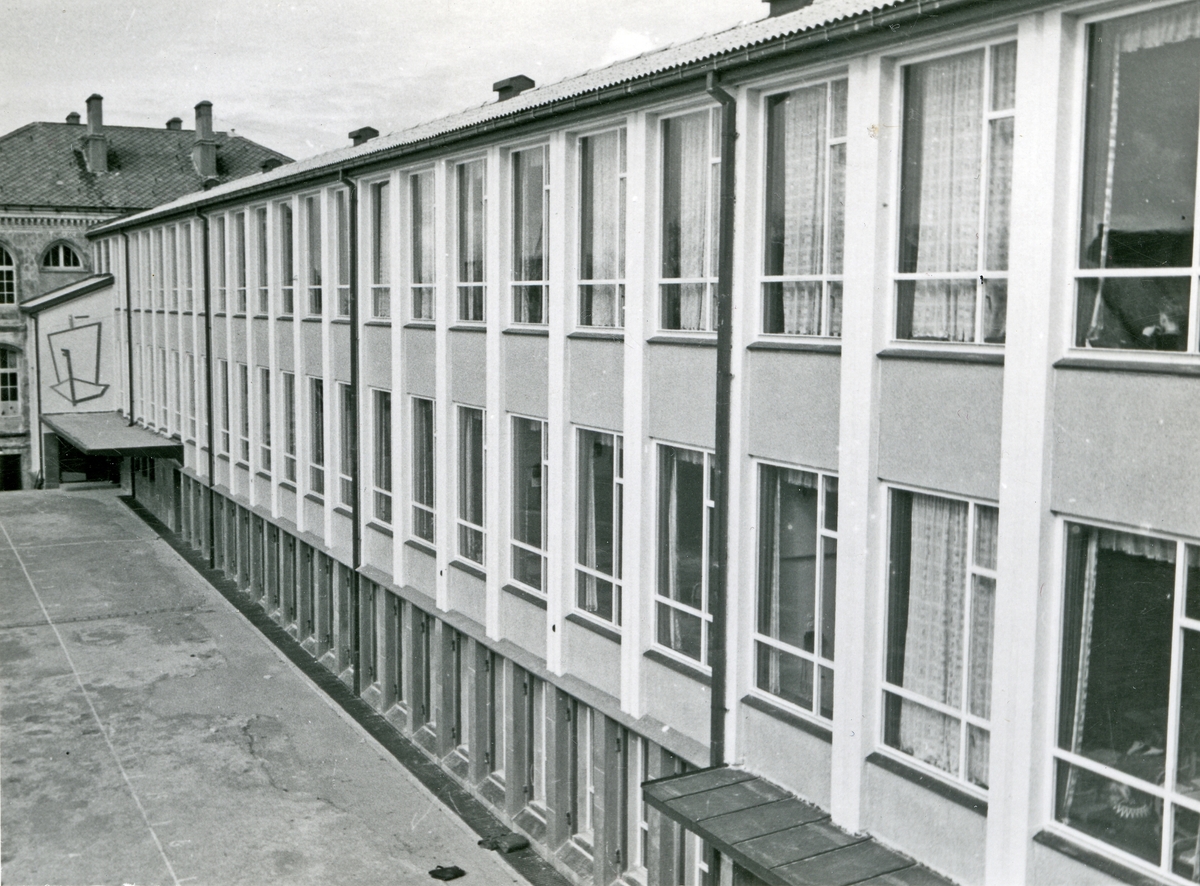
{"x": 819, "y": 14}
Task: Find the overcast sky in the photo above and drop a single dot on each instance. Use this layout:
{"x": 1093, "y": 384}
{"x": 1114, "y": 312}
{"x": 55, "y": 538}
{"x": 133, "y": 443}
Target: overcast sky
{"x": 298, "y": 76}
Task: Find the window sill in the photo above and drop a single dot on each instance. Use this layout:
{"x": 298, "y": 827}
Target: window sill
{"x": 340, "y": 321}
{"x": 343, "y": 510}
{"x": 598, "y": 335}
{"x": 223, "y": 457}
{"x": 1093, "y": 859}
{"x": 541, "y": 331}
{"x": 422, "y": 546}
{"x": 290, "y": 487}
{"x": 688, "y": 341}
{"x": 287, "y": 317}
{"x": 538, "y": 600}
{"x": 589, "y": 624}
{"x": 468, "y": 327}
{"x": 931, "y": 783}
{"x": 314, "y": 498}
{"x": 262, "y": 475}
{"x": 380, "y": 528}
{"x": 469, "y": 569}
{"x": 378, "y": 321}
{"x": 261, "y": 316}
{"x": 310, "y": 319}
{"x": 764, "y": 706}
{"x": 420, "y": 324}
{"x": 694, "y": 671}
{"x": 811, "y": 346}
{"x": 1130, "y": 364}
{"x": 900, "y": 352}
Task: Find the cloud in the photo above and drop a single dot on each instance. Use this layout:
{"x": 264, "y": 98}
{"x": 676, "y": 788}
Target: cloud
{"x": 626, "y": 44}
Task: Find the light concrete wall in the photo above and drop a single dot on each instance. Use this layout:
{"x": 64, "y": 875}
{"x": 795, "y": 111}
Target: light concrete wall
{"x": 526, "y": 383}
{"x": 597, "y": 380}
{"x": 792, "y": 406}
{"x": 785, "y": 754}
{"x": 681, "y": 393}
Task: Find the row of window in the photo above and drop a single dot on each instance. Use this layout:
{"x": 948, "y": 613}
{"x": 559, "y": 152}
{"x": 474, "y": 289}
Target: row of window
{"x": 1138, "y": 263}
{"x": 58, "y": 256}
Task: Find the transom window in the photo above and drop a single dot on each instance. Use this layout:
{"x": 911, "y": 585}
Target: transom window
{"x": 691, "y": 173}
{"x": 956, "y": 187}
{"x": 1127, "y": 758}
{"x": 60, "y": 255}
{"x": 530, "y": 212}
{"x": 805, "y": 211}
{"x": 8, "y": 278}
{"x": 941, "y": 600}
{"x": 470, "y": 178}
{"x": 797, "y": 584}
{"x": 602, "y": 163}
{"x": 685, "y": 512}
{"x": 599, "y": 503}
{"x": 1138, "y": 261}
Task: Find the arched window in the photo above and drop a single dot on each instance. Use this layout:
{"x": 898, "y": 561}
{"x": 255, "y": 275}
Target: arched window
{"x": 10, "y": 382}
{"x": 61, "y": 255}
{"x": 8, "y": 278}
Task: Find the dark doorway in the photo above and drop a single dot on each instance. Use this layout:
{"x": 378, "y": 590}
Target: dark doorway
{"x": 77, "y": 467}
{"x": 10, "y": 472}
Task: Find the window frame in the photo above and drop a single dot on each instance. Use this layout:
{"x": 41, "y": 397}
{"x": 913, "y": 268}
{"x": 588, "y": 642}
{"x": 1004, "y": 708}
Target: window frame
{"x": 288, "y": 393}
{"x": 10, "y": 382}
{"x": 347, "y": 441}
{"x": 516, "y": 545}
{"x": 264, "y": 419}
{"x": 243, "y": 398}
{"x": 516, "y": 281}
{"x": 971, "y": 570}
{"x": 464, "y": 527}
{"x": 343, "y": 265}
{"x": 285, "y": 240}
{"x": 8, "y": 276}
{"x": 422, "y": 294}
{"x": 661, "y": 599}
{"x": 312, "y": 253}
{"x": 583, "y": 572}
{"x": 827, "y": 278}
{"x": 466, "y": 291}
{"x": 241, "y": 250}
{"x": 987, "y": 43}
{"x": 380, "y": 237}
{"x": 621, "y": 129}
{"x": 1181, "y": 623}
{"x": 415, "y": 506}
{"x": 708, "y": 322}
{"x": 818, "y": 660}
{"x": 1076, "y": 274}
{"x": 381, "y": 456}
{"x": 316, "y": 426}
{"x": 56, "y": 258}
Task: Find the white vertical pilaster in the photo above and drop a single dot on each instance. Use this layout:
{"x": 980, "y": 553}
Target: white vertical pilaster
{"x": 637, "y": 609}
{"x": 871, "y": 155}
{"x": 332, "y": 403}
{"x": 496, "y": 491}
{"x": 401, "y": 407}
{"x": 446, "y": 422}
{"x": 560, "y": 439}
{"x": 276, "y": 400}
{"x": 1025, "y": 641}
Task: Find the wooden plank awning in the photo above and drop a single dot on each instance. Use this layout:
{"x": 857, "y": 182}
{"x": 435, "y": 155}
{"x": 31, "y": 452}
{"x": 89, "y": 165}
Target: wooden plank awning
{"x": 107, "y": 433}
{"x": 779, "y": 838}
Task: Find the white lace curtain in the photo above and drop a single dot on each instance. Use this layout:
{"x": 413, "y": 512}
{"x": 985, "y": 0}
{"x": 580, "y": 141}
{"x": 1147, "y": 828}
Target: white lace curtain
{"x": 687, "y": 162}
{"x": 602, "y": 223}
{"x": 933, "y": 641}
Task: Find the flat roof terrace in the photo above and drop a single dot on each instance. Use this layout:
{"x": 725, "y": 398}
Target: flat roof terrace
{"x": 150, "y": 734}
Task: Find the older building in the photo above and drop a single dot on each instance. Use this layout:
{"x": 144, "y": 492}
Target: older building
{"x": 56, "y": 179}
{"x": 852, "y": 462}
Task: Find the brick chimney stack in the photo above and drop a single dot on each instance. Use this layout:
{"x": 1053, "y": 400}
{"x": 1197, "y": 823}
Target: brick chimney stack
{"x": 204, "y": 150}
{"x": 73, "y": 118}
{"x": 175, "y": 124}
{"x": 97, "y": 145}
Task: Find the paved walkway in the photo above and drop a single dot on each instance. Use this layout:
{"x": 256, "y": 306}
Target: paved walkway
{"x": 149, "y": 735}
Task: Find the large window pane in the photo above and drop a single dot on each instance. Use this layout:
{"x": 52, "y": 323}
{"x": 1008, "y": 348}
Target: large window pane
{"x": 423, "y": 469}
{"x": 602, "y": 229}
{"x": 684, "y": 512}
{"x": 598, "y": 524}
{"x": 528, "y": 233}
{"x": 690, "y": 175}
{"x": 528, "y": 501}
{"x": 421, "y": 255}
{"x": 1142, "y": 313}
{"x": 470, "y": 483}
{"x": 470, "y": 181}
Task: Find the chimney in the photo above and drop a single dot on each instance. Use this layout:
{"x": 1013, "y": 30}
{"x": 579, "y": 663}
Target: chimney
{"x": 511, "y": 87}
{"x": 73, "y": 118}
{"x": 363, "y": 135}
{"x": 270, "y": 163}
{"x": 175, "y": 124}
{"x": 96, "y": 151}
{"x": 781, "y": 7}
{"x": 204, "y": 149}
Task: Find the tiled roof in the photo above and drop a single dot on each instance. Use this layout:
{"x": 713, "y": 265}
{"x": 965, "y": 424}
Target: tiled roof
{"x": 42, "y": 164}
{"x": 819, "y": 14}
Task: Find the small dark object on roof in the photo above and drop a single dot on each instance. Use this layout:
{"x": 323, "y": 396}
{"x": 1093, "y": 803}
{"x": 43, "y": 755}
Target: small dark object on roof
{"x": 510, "y": 842}
{"x": 453, "y": 872}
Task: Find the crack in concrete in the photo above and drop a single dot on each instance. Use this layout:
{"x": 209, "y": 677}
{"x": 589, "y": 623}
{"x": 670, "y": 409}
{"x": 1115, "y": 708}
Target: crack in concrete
{"x": 41, "y": 623}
